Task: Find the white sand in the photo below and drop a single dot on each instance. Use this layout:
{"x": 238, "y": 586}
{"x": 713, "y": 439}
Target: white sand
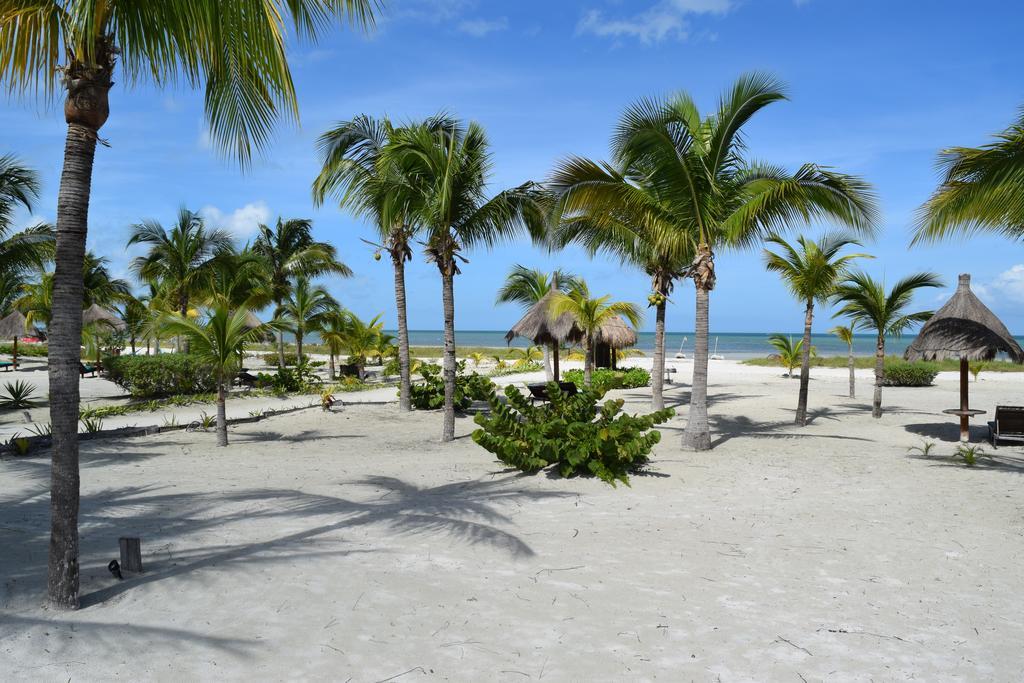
{"x": 355, "y": 546}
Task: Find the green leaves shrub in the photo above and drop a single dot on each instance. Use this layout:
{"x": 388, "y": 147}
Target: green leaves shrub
{"x": 429, "y": 394}
{"x": 165, "y": 374}
{"x": 899, "y": 373}
{"x": 25, "y": 350}
{"x": 574, "y": 432}
{"x": 603, "y": 379}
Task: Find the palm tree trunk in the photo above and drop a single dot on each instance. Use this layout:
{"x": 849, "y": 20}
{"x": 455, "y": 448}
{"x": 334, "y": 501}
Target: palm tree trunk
{"x": 876, "y": 404}
{"x": 658, "y": 370}
{"x": 133, "y": 344}
{"x": 554, "y": 360}
{"x": 183, "y": 343}
{"x": 65, "y": 354}
{"x": 448, "y": 300}
{"x": 404, "y": 366}
{"x": 331, "y": 374}
{"x": 298, "y": 346}
{"x": 548, "y": 374}
{"x": 222, "y": 418}
{"x": 588, "y": 360}
{"x": 280, "y": 339}
{"x": 697, "y": 436}
{"x": 850, "y": 364}
{"x": 805, "y": 366}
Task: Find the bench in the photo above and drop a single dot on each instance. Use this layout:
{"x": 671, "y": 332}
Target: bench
{"x": 6, "y": 365}
{"x": 1008, "y": 425}
{"x": 539, "y": 392}
{"x": 84, "y": 369}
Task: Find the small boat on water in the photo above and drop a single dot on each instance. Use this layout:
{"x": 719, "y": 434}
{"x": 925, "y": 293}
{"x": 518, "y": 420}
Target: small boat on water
{"x": 679, "y": 353}
{"x": 716, "y": 355}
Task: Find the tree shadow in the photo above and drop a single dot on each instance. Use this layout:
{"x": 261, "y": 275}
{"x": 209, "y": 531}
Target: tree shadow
{"x": 991, "y": 461}
{"x": 947, "y": 431}
{"x": 725, "y": 428}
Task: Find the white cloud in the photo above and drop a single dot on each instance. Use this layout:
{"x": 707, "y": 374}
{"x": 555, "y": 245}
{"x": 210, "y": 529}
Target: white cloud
{"x": 664, "y": 19}
{"x": 1007, "y": 285}
{"x": 478, "y": 28}
{"x": 242, "y": 222}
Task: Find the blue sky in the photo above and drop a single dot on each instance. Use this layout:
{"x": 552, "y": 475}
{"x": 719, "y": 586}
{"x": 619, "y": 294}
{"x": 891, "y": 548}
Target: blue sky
{"x": 877, "y": 88}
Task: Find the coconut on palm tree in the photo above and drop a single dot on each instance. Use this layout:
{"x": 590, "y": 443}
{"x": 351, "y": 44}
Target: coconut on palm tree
{"x": 845, "y": 335}
{"x": 235, "y": 51}
{"x": 446, "y": 173}
{"x": 527, "y": 286}
{"x": 811, "y": 272}
{"x": 304, "y": 310}
{"x": 292, "y": 254}
{"x": 714, "y": 198}
{"x": 218, "y": 340}
{"x": 620, "y": 212}
{"x": 982, "y": 190}
{"x": 591, "y": 314}
{"x": 865, "y": 301}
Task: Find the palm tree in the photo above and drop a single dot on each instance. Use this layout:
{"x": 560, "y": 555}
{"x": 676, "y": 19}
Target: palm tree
{"x": 37, "y": 297}
{"x": 865, "y": 301}
{"x": 526, "y": 357}
{"x": 291, "y": 253}
{"x": 180, "y": 259}
{"x": 811, "y": 273}
{"x": 845, "y": 334}
{"x": 332, "y": 328}
{"x": 527, "y": 286}
{"x": 219, "y": 340}
{"x": 790, "y": 354}
{"x": 446, "y": 172}
{"x": 361, "y": 340}
{"x": 24, "y": 251}
{"x": 136, "y": 320}
{"x": 982, "y": 189}
{"x": 304, "y": 310}
{"x": 590, "y": 315}
{"x": 234, "y": 51}
{"x": 356, "y": 172}
{"x": 714, "y": 198}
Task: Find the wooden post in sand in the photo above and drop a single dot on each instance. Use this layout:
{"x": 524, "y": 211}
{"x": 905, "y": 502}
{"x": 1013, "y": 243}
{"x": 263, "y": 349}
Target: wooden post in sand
{"x": 131, "y": 554}
{"x": 965, "y": 429}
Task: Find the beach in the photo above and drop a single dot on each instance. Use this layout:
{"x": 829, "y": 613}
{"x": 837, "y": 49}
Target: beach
{"x": 356, "y": 546}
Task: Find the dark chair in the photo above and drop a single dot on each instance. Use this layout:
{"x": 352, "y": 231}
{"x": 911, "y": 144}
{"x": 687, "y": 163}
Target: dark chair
{"x": 539, "y": 392}
{"x": 245, "y": 379}
{"x": 6, "y": 365}
{"x": 1008, "y": 425}
{"x": 85, "y": 369}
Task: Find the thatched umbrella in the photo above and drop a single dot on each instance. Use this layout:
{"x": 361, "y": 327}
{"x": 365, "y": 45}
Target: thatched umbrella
{"x": 964, "y": 328}
{"x": 615, "y": 334}
{"x": 251, "y": 321}
{"x": 538, "y": 327}
{"x": 11, "y": 327}
{"x": 98, "y": 314}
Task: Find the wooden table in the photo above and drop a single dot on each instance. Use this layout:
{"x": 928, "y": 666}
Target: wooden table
{"x": 964, "y": 414}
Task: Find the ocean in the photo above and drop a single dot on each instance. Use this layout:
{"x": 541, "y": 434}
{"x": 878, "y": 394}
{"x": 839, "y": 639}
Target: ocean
{"x": 732, "y": 345}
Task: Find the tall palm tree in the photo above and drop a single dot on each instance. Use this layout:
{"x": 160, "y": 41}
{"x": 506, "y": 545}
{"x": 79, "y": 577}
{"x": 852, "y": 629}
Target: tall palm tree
{"x": 99, "y": 287}
{"x": 356, "y": 172}
{"x": 619, "y": 211}
{"x": 811, "y": 273}
{"x": 235, "y": 51}
{"x": 446, "y": 173}
{"x": 591, "y": 314}
{"x": 238, "y": 279}
{"x": 25, "y": 251}
{"x": 304, "y": 310}
{"x": 218, "y": 340}
{"x": 716, "y": 198}
{"x": 526, "y": 286}
{"x": 982, "y": 189}
{"x": 845, "y": 334}
{"x": 291, "y": 253}
{"x": 136, "y": 321}
{"x": 869, "y": 307}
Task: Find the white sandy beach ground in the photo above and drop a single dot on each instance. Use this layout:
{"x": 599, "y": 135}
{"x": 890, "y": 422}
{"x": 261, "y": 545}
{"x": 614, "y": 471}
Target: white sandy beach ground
{"x": 355, "y": 546}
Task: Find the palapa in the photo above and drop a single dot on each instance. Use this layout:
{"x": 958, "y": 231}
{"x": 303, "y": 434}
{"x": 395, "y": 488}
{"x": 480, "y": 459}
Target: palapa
{"x": 538, "y": 327}
{"x": 11, "y": 327}
{"x": 616, "y": 334}
{"x": 98, "y": 314}
{"x": 964, "y": 328}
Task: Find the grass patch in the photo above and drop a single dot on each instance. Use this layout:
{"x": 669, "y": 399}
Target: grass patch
{"x": 868, "y": 362}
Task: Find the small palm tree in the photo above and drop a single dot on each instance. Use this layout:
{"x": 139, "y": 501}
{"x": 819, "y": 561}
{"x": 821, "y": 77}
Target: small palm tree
{"x": 361, "y": 340}
{"x": 526, "y": 357}
{"x": 790, "y": 354}
{"x": 136, "y": 320}
{"x": 865, "y": 302}
{"x": 218, "y": 340}
{"x": 845, "y": 334}
{"x": 982, "y": 190}
{"x": 332, "y": 328}
{"x": 304, "y": 311}
{"x": 526, "y": 286}
{"x": 590, "y": 315}
{"x": 477, "y": 357}
{"x": 811, "y": 273}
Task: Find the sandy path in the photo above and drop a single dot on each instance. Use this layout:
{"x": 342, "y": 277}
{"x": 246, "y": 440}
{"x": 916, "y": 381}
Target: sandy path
{"x": 355, "y": 545}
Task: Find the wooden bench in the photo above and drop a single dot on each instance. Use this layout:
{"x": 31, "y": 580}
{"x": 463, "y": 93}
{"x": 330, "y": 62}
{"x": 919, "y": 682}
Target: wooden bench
{"x": 539, "y": 392}
{"x": 1008, "y": 425}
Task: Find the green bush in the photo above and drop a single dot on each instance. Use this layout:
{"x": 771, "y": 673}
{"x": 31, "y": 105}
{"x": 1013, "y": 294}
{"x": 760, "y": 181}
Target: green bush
{"x": 899, "y": 373}
{"x": 604, "y": 379}
{"x": 290, "y": 380}
{"x": 429, "y": 394}
{"x": 290, "y": 359}
{"x": 570, "y": 431}
{"x": 26, "y": 350}
{"x": 165, "y": 374}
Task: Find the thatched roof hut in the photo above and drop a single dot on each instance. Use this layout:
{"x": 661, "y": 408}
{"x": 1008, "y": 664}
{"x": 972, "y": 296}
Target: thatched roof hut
{"x": 964, "y": 328}
{"x": 97, "y": 314}
{"x": 616, "y": 334}
{"x": 251, "y": 321}
{"x": 12, "y": 326}
{"x": 538, "y": 327}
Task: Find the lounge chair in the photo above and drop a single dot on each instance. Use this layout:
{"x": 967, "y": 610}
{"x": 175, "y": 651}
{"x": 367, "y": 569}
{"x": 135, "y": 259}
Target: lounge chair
{"x": 6, "y": 365}
{"x": 1008, "y": 425}
{"x": 245, "y": 379}
{"x": 86, "y": 369}
{"x": 539, "y": 392}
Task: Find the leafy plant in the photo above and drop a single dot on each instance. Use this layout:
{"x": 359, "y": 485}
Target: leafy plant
{"x": 327, "y": 400}
{"x": 603, "y": 379}
{"x": 572, "y": 432}
{"x": 25, "y": 350}
{"x": 17, "y": 395}
{"x": 790, "y": 354}
{"x": 299, "y": 379}
{"x": 207, "y": 421}
{"x": 41, "y": 428}
{"x": 170, "y": 420}
{"x": 92, "y": 424}
{"x": 924, "y": 449}
{"x": 899, "y": 373}
{"x": 969, "y": 454}
{"x": 429, "y": 394}
{"x": 976, "y": 368}
{"x": 255, "y": 413}
{"x": 19, "y": 444}
{"x": 164, "y": 374}
{"x": 515, "y": 369}
{"x": 289, "y": 358}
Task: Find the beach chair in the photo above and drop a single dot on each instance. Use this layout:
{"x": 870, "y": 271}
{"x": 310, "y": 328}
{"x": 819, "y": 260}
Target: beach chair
{"x": 6, "y": 365}
{"x": 539, "y": 392}
{"x": 245, "y": 379}
{"x": 86, "y": 369}
{"x": 1008, "y": 425}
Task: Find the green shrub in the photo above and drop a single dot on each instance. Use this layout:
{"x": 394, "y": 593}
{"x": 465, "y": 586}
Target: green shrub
{"x": 17, "y": 395}
{"x": 165, "y": 374}
{"x": 26, "y": 350}
{"x": 429, "y": 394}
{"x": 290, "y": 359}
{"x": 570, "y": 431}
{"x": 900, "y": 373}
{"x": 516, "y": 369}
{"x": 290, "y": 380}
{"x": 604, "y": 379}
